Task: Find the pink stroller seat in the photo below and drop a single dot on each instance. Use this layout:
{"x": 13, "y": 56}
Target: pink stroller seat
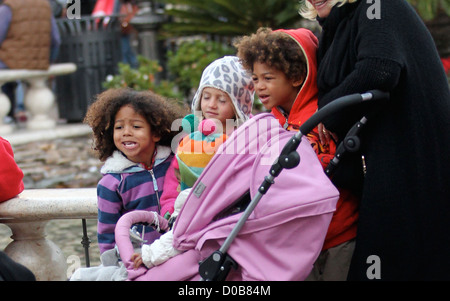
{"x": 284, "y": 234}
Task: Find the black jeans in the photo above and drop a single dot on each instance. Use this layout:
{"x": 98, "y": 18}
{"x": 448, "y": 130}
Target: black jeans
{"x": 10, "y": 90}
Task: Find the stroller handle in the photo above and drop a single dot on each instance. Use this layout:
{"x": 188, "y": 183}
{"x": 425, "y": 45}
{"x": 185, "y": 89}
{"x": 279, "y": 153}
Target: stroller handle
{"x": 289, "y": 157}
{"x": 122, "y": 234}
{"x": 339, "y": 104}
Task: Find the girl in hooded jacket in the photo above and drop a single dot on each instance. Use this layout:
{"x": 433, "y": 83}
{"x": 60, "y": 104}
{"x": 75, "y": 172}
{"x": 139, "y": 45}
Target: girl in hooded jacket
{"x": 223, "y": 102}
{"x": 284, "y": 68}
{"x": 132, "y": 135}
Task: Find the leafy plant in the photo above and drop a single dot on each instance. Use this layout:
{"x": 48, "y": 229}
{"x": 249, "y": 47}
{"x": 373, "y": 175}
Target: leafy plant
{"x": 142, "y": 78}
{"x": 428, "y": 9}
{"x": 228, "y": 17}
{"x": 187, "y": 63}
{"x": 436, "y": 15}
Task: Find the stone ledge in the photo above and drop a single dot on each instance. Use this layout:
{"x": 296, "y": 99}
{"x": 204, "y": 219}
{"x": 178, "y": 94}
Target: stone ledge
{"x": 48, "y": 204}
{"x": 27, "y": 216}
{"x": 39, "y": 99}
{"x": 60, "y": 131}
{"x": 7, "y": 75}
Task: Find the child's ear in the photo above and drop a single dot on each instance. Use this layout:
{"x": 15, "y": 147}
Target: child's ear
{"x": 156, "y": 138}
{"x": 299, "y": 82}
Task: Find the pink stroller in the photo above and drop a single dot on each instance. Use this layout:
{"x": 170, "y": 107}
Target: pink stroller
{"x": 224, "y": 225}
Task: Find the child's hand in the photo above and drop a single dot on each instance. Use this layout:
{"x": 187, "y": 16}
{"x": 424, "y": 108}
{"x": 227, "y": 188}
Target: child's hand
{"x": 137, "y": 259}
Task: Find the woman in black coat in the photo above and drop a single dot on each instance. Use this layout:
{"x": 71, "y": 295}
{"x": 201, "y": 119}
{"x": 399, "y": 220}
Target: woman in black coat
{"x": 404, "y": 223}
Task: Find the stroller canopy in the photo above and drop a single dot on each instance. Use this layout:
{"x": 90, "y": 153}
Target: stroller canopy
{"x": 284, "y": 234}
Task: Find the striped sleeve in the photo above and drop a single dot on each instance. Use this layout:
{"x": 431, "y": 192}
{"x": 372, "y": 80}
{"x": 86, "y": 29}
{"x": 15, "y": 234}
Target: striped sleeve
{"x": 109, "y": 210}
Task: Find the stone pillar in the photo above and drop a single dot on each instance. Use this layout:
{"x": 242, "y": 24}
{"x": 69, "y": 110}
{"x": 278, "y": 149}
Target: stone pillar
{"x": 40, "y": 255}
{"x": 5, "y": 106}
{"x": 39, "y": 101}
{"x": 27, "y": 216}
{"x": 147, "y": 22}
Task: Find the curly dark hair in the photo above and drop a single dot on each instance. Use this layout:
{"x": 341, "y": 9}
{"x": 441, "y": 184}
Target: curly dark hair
{"x": 276, "y": 49}
{"x": 159, "y": 113}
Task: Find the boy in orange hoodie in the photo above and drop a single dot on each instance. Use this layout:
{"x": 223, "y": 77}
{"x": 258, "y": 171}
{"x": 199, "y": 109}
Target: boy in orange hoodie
{"x": 283, "y": 66}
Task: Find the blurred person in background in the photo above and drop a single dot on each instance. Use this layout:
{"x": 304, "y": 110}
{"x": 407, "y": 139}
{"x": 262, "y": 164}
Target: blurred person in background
{"x": 29, "y": 39}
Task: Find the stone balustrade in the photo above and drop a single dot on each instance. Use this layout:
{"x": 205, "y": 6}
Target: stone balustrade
{"x": 27, "y": 216}
{"x": 39, "y": 98}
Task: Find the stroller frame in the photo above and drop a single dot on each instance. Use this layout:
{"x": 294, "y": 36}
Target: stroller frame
{"x": 217, "y": 266}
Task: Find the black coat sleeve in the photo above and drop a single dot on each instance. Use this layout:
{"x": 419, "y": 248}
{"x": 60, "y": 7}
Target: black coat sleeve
{"x": 377, "y": 60}
{"x": 369, "y": 74}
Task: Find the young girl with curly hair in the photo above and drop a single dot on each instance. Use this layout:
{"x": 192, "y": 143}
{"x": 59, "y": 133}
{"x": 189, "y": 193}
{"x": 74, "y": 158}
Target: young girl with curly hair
{"x": 132, "y": 135}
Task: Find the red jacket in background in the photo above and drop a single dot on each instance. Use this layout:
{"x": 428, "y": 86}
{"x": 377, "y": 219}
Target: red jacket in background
{"x": 11, "y": 175}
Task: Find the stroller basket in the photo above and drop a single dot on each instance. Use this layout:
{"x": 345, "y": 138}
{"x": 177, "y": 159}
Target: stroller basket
{"x": 277, "y": 240}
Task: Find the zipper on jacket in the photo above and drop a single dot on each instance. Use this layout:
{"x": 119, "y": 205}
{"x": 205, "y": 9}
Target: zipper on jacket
{"x": 286, "y": 116}
{"x": 364, "y": 166}
{"x": 155, "y": 187}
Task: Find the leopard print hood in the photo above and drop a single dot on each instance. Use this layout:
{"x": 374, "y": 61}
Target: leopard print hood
{"x": 228, "y": 75}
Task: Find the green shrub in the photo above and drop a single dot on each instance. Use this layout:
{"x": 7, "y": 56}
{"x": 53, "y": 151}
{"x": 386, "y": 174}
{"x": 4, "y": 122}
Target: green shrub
{"x": 191, "y": 58}
{"x": 142, "y": 78}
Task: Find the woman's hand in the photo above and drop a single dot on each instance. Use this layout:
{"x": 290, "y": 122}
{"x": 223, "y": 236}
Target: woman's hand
{"x": 324, "y": 135}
